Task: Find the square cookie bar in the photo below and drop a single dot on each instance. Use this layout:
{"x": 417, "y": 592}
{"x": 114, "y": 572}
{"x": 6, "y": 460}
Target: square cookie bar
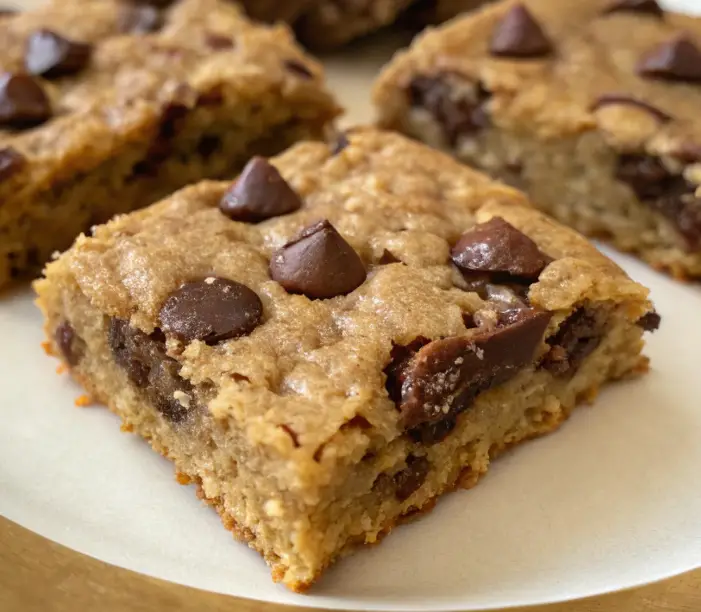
{"x": 591, "y": 107}
{"x": 326, "y": 24}
{"x": 109, "y": 105}
{"x": 339, "y": 337}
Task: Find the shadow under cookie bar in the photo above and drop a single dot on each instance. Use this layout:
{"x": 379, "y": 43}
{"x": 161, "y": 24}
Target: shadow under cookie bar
{"x": 609, "y": 146}
{"x": 339, "y": 337}
{"x": 162, "y": 97}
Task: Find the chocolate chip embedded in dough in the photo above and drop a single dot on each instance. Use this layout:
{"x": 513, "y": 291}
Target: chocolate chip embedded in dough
{"x": 458, "y": 112}
{"x": 219, "y": 42}
{"x": 51, "y": 55}
{"x": 669, "y": 194}
{"x": 212, "y": 310}
{"x": 259, "y": 193}
{"x": 445, "y": 376}
{"x": 519, "y": 35}
{"x": 298, "y": 69}
{"x": 341, "y": 143}
{"x": 11, "y": 162}
{"x": 621, "y": 100}
{"x": 410, "y": 479}
{"x": 645, "y": 7}
{"x": 577, "y": 337}
{"x": 23, "y": 101}
{"x": 498, "y": 247}
{"x": 319, "y": 264}
{"x": 140, "y": 19}
{"x": 675, "y": 60}
{"x": 650, "y": 321}
{"x": 68, "y": 343}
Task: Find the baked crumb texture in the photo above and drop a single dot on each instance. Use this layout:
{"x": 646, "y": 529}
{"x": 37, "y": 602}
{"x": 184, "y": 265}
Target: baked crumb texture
{"x": 326, "y": 24}
{"x": 339, "y": 337}
{"x": 108, "y": 105}
{"x": 591, "y": 107}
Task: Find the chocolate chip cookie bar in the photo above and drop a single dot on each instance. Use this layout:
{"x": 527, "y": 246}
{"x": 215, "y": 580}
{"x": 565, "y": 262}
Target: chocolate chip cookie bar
{"x": 326, "y": 24}
{"x": 340, "y": 336}
{"x": 588, "y": 106}
{"x": 108, "y": 105}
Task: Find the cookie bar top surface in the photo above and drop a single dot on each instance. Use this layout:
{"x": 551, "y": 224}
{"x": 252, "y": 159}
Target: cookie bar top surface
{"x": 108, "y": 70}
{"x": 315, "y": 364}
{"x": 561, "y": 68}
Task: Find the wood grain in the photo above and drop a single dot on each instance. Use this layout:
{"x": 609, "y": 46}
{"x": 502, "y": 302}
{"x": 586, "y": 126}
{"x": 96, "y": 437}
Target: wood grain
{"x": 37, "y": 575}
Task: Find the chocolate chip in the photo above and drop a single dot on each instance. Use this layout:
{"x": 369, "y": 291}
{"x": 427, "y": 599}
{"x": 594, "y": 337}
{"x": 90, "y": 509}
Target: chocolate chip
{"x": 669, "y": 194}
{"x": 319, "y": 264}
{"x": 259, "y": 193}
{"x": 676, "y": 60}
{"x": 649, "y": 7}
{"x": 617, "y": 99}
{"x": 298, "y": 69}
{"x": 650, "y": 321}
{"x": 218, "y": 42}
{"x": 412, "y": 477}
{"x": 518, "y": 34}
{"x": 498, "y": 247}
{"x": 212, "y": 310}
{"x": 23, "y": 102}
{"x": 458, "y": 114}
{"x": 433, "y": 433}
{"x": 11, "y": 162}
{"x": 140, "y": 20}
{"x": 341, "y": 143}
{"x": 149, "y": 368}
{"x": 574, "y": 341}
{"x": 388, "y": 258}
{"x": 445, "y": 376}
{"x": 397, "y": 370}
{"x": 51, "y": 55}
{"x": 68, "y": 344}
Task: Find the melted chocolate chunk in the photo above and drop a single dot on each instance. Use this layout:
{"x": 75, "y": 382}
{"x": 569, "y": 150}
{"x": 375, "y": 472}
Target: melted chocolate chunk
{"x": 645, "y": 7}
{"x": 211, "y": 310}
{"x": 432, "y": 433}
{"x": 260, "y": 193}
{"x": 397, "y": 370}
{"x": 577, "y": 337}
{"x": 149, "y": 368}
{"x": 68, "y": 343}
{"x": 11, "y": 162}
{"x": 412, "y": 477}
{"x": 456, "y": 113}
{"x": 497, "y": 247}
{"x": 319, "y": 264}
{"x": 445, "y": 376}
{"x": 617, "y": 99}
{"x": 676, "y": 60}
{"x": 23, "y": 102}
{"x": 51, "y": 55}
{"x": 519, "y": 35}
{"x": 650, "y": 321}
{"x": 140, "y": 20}
{"x": 298, "y": 69}
{"x": 669, "y": 194}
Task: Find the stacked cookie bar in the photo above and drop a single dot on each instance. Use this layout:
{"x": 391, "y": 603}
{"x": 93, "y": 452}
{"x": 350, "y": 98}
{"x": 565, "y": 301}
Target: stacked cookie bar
{"x": 588, "y": 106}
{"x": 332, "y": 341}
{"x": 108, "y": 105}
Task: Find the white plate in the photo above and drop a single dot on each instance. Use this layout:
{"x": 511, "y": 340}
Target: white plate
{"x": 611, "y": 501}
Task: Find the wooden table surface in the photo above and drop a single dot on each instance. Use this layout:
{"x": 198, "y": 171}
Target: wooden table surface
{"x": 37, "y": 575}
